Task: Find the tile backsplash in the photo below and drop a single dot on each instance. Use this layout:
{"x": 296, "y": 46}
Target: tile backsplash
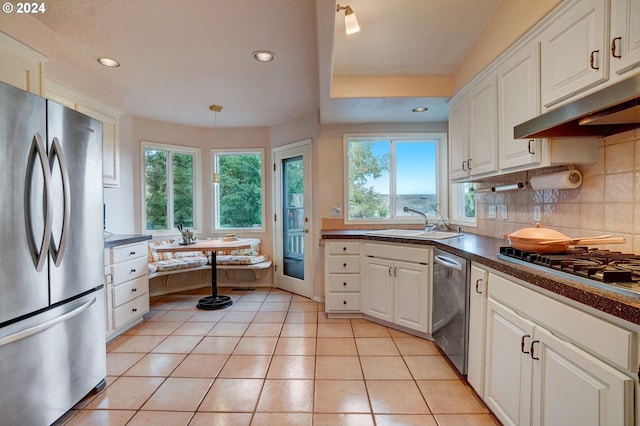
{"x": 607, "y": 202}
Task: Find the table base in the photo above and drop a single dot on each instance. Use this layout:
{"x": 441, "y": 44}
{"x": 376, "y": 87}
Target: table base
{"x": 211, "y": 303}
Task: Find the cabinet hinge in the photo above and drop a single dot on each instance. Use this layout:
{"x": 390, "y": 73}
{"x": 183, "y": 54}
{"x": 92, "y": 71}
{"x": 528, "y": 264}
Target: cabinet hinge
{"x": 275, "y": 217}
{"x": 274, "y": 167}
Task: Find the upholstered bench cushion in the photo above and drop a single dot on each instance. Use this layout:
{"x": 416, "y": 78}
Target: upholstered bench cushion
{"x": 153, "y": 255}
{"x": 228, "y": 259}
{"x": 177, "y": 263}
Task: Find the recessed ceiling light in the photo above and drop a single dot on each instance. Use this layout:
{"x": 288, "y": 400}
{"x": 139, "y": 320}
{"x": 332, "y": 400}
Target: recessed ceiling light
{"x": 419, "y": 109}
{"x": 108, "y": 62}
{"x": 263, "y": 56}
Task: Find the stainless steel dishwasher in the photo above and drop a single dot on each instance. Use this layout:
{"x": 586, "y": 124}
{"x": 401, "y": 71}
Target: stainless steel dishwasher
{"x": 450, "y": 306}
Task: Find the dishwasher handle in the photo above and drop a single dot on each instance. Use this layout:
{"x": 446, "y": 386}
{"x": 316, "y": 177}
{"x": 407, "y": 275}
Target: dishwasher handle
{"x": 447, "y": 262}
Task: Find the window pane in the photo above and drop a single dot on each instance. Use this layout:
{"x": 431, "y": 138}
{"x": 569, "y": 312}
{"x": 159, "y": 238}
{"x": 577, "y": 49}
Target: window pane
{"x": 468, "y": 201}
{"x": 156, "y": 188}
{"x": 368, "y": 179}
{"x": 240, "y": 190}
{"x": 415, "y": 176}
{"x": 183, "y": 190}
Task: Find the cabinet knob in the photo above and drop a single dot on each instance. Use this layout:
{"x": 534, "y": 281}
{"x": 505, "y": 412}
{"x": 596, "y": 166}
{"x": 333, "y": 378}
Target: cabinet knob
{"x": 529, "y": 145}
{"x": 478, "y": 281}
{"x": 522, "y": 344}
{"x": 133, "y": 253}
{"x": 344, "y": 249}
{"x": 344, "y": 284}
{"x": 344, "y": 265}
{"x": 532, "y": 347}
{"x": 133, "y": 290}
{"x": 344, "y": 302}
{"x": 134, "y": 310}
{"x": 133, "y": 270}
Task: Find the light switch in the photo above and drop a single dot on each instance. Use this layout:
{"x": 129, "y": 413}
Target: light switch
{"x": 502, "y": 209}
{"x": 492, "y": 212}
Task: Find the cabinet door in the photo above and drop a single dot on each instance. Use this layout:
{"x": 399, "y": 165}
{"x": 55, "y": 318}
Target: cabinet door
{"x": 20, "y": 65}
{"x": 110, "y": 145}
{"x": 574, "y": 51}
{"x": 483, "y": 128}
{"x": 507, "y": 388}
{"x": 411, "y": 295}
{"x": 518, "y": 101}
{"x": 572, "y": 387}
{"x": 625, "y": 36}
{"x": 458, "y": 138}
{"x": 477, "y": 328}
{"x": 377, "y": 288}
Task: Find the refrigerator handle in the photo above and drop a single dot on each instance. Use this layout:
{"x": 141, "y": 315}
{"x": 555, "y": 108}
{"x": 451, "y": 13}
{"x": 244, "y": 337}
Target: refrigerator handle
{"x": 22, "y": 334}
{"x": 57, "y": 249}
{"x": 39, "y": 251}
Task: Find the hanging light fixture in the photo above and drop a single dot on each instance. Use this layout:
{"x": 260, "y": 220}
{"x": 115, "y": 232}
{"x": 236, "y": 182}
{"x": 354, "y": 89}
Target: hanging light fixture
{"x": 215, "y": 177}
{"x": 350, "y": 21}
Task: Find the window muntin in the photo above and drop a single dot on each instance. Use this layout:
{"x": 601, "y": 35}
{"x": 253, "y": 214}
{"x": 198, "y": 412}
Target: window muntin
{"x": 170, "y": 187}
{"x": 385, "y": 173}
{"x": 238, "y": 200}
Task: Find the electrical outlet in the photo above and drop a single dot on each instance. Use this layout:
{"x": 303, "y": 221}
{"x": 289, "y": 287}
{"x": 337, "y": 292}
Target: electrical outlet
{"x": 492, "y": 212}
{"x": 502, "y": 209}
{"x": 537, "y": 214}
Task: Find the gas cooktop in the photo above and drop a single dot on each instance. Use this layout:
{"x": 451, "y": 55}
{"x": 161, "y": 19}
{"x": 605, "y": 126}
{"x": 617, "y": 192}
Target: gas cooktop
{"x": 614, "y": 271}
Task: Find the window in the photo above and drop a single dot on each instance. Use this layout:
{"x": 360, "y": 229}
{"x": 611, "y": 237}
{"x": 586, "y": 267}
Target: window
{"x": 238, "y": 200}
{"x": 171, "y": 187}
{"x": 386, "y": 173}
{"x": 463, "y": 204}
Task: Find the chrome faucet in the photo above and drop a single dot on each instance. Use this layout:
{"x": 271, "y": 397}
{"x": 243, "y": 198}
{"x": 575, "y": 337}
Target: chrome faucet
{"x": 427, "y": 225}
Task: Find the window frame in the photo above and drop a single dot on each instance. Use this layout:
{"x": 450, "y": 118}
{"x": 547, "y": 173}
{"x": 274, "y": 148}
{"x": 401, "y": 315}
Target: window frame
{"x": 215, "y": 190}
{"x": 457, "y": 218}
{"x": 442, "y": 171}
{"x": 197, "y": 186}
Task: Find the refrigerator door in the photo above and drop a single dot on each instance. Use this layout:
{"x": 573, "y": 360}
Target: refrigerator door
{"x": 75, "y": 157}
{"x": 24, "y": 217}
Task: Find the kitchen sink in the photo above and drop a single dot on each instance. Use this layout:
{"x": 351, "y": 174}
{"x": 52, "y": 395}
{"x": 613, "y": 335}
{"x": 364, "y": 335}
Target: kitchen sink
{"x": 414, "y": 233}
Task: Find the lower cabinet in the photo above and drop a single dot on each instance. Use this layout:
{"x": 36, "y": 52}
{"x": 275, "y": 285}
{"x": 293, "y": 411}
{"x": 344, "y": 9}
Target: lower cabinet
{"x": 534, "y": 377}
{"x": 478, "y": 280}
{"x": 342, "y": 277}
{"x": 394, "y": 290}
{"x": 127, "y": 287}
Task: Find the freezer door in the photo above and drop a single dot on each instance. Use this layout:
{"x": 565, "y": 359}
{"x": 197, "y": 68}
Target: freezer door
{"x": 23, "y": 208}
{"x": 77, "y": 242}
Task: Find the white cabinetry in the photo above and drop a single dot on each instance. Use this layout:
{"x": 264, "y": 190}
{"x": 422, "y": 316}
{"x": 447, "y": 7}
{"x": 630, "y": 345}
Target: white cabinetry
{"x": 537, "y": 375}
{"x": 518, "y": 101}
{"x": 109, "y": 117}
{"x": 574, "y": 50}
{"x": 396, "y": 285}
{"x": 20, "y": 66}
{"x": 477, "y": 327}
{"x": 474, "y": 131}
{"x": 127, "y": 286}
{"x": 342, "y": 277}
{"x": 625, "y": 37}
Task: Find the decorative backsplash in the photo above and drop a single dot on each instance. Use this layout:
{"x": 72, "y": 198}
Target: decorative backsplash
{"x": 608, "y": 202}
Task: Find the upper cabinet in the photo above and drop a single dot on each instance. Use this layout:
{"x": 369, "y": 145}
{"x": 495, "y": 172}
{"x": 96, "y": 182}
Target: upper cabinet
{"x": 110, "y": 126}
{"x": 473, "y": 132}
{"x": 20, "y": 66}
{"x": 574, "y": 51}
{"x": 518, "y": 101}
{"x": 625, "y": 37}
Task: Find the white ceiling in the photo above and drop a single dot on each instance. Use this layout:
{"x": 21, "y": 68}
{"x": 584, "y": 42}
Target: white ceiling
{"x": 179, "y": 57}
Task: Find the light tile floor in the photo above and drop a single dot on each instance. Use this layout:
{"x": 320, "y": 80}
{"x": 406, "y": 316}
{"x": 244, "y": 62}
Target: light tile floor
{"x": 273, "y": 358}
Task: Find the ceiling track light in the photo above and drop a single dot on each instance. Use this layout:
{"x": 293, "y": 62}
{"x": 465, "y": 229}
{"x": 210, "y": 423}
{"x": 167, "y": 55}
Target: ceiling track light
{"x": 351, "y": 25}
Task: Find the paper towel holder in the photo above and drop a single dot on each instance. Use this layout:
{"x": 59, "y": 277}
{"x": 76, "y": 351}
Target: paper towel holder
{"x": 568, "y": 179}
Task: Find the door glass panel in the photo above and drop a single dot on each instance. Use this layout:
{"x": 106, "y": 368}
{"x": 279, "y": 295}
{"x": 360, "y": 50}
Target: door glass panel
{"x": 293, "y": 217}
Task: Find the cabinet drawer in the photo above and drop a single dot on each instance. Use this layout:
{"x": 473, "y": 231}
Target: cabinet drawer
{"x": 130, "y": 290}
{"x": 126, "y": 271}
{"x": 343, "y": 302}
{"x": 344, "y": 248}
{"x": 344, "y": 264}
{"x": 130, "y": 310}
{"x": 344, "y": 282}
{"x": 128, "y": 252}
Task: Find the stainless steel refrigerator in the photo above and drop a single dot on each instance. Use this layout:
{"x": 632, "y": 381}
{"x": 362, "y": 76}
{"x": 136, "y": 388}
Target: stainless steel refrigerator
{"x": 52, "y": 322}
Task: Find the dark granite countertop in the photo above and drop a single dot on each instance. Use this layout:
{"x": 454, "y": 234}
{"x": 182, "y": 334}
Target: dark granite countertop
{"x": 116, "y": 240}
{"x": 483, "y": 250}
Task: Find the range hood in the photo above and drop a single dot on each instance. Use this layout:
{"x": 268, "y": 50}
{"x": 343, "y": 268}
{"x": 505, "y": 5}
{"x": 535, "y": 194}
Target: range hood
{"x": 614, "y": 109}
